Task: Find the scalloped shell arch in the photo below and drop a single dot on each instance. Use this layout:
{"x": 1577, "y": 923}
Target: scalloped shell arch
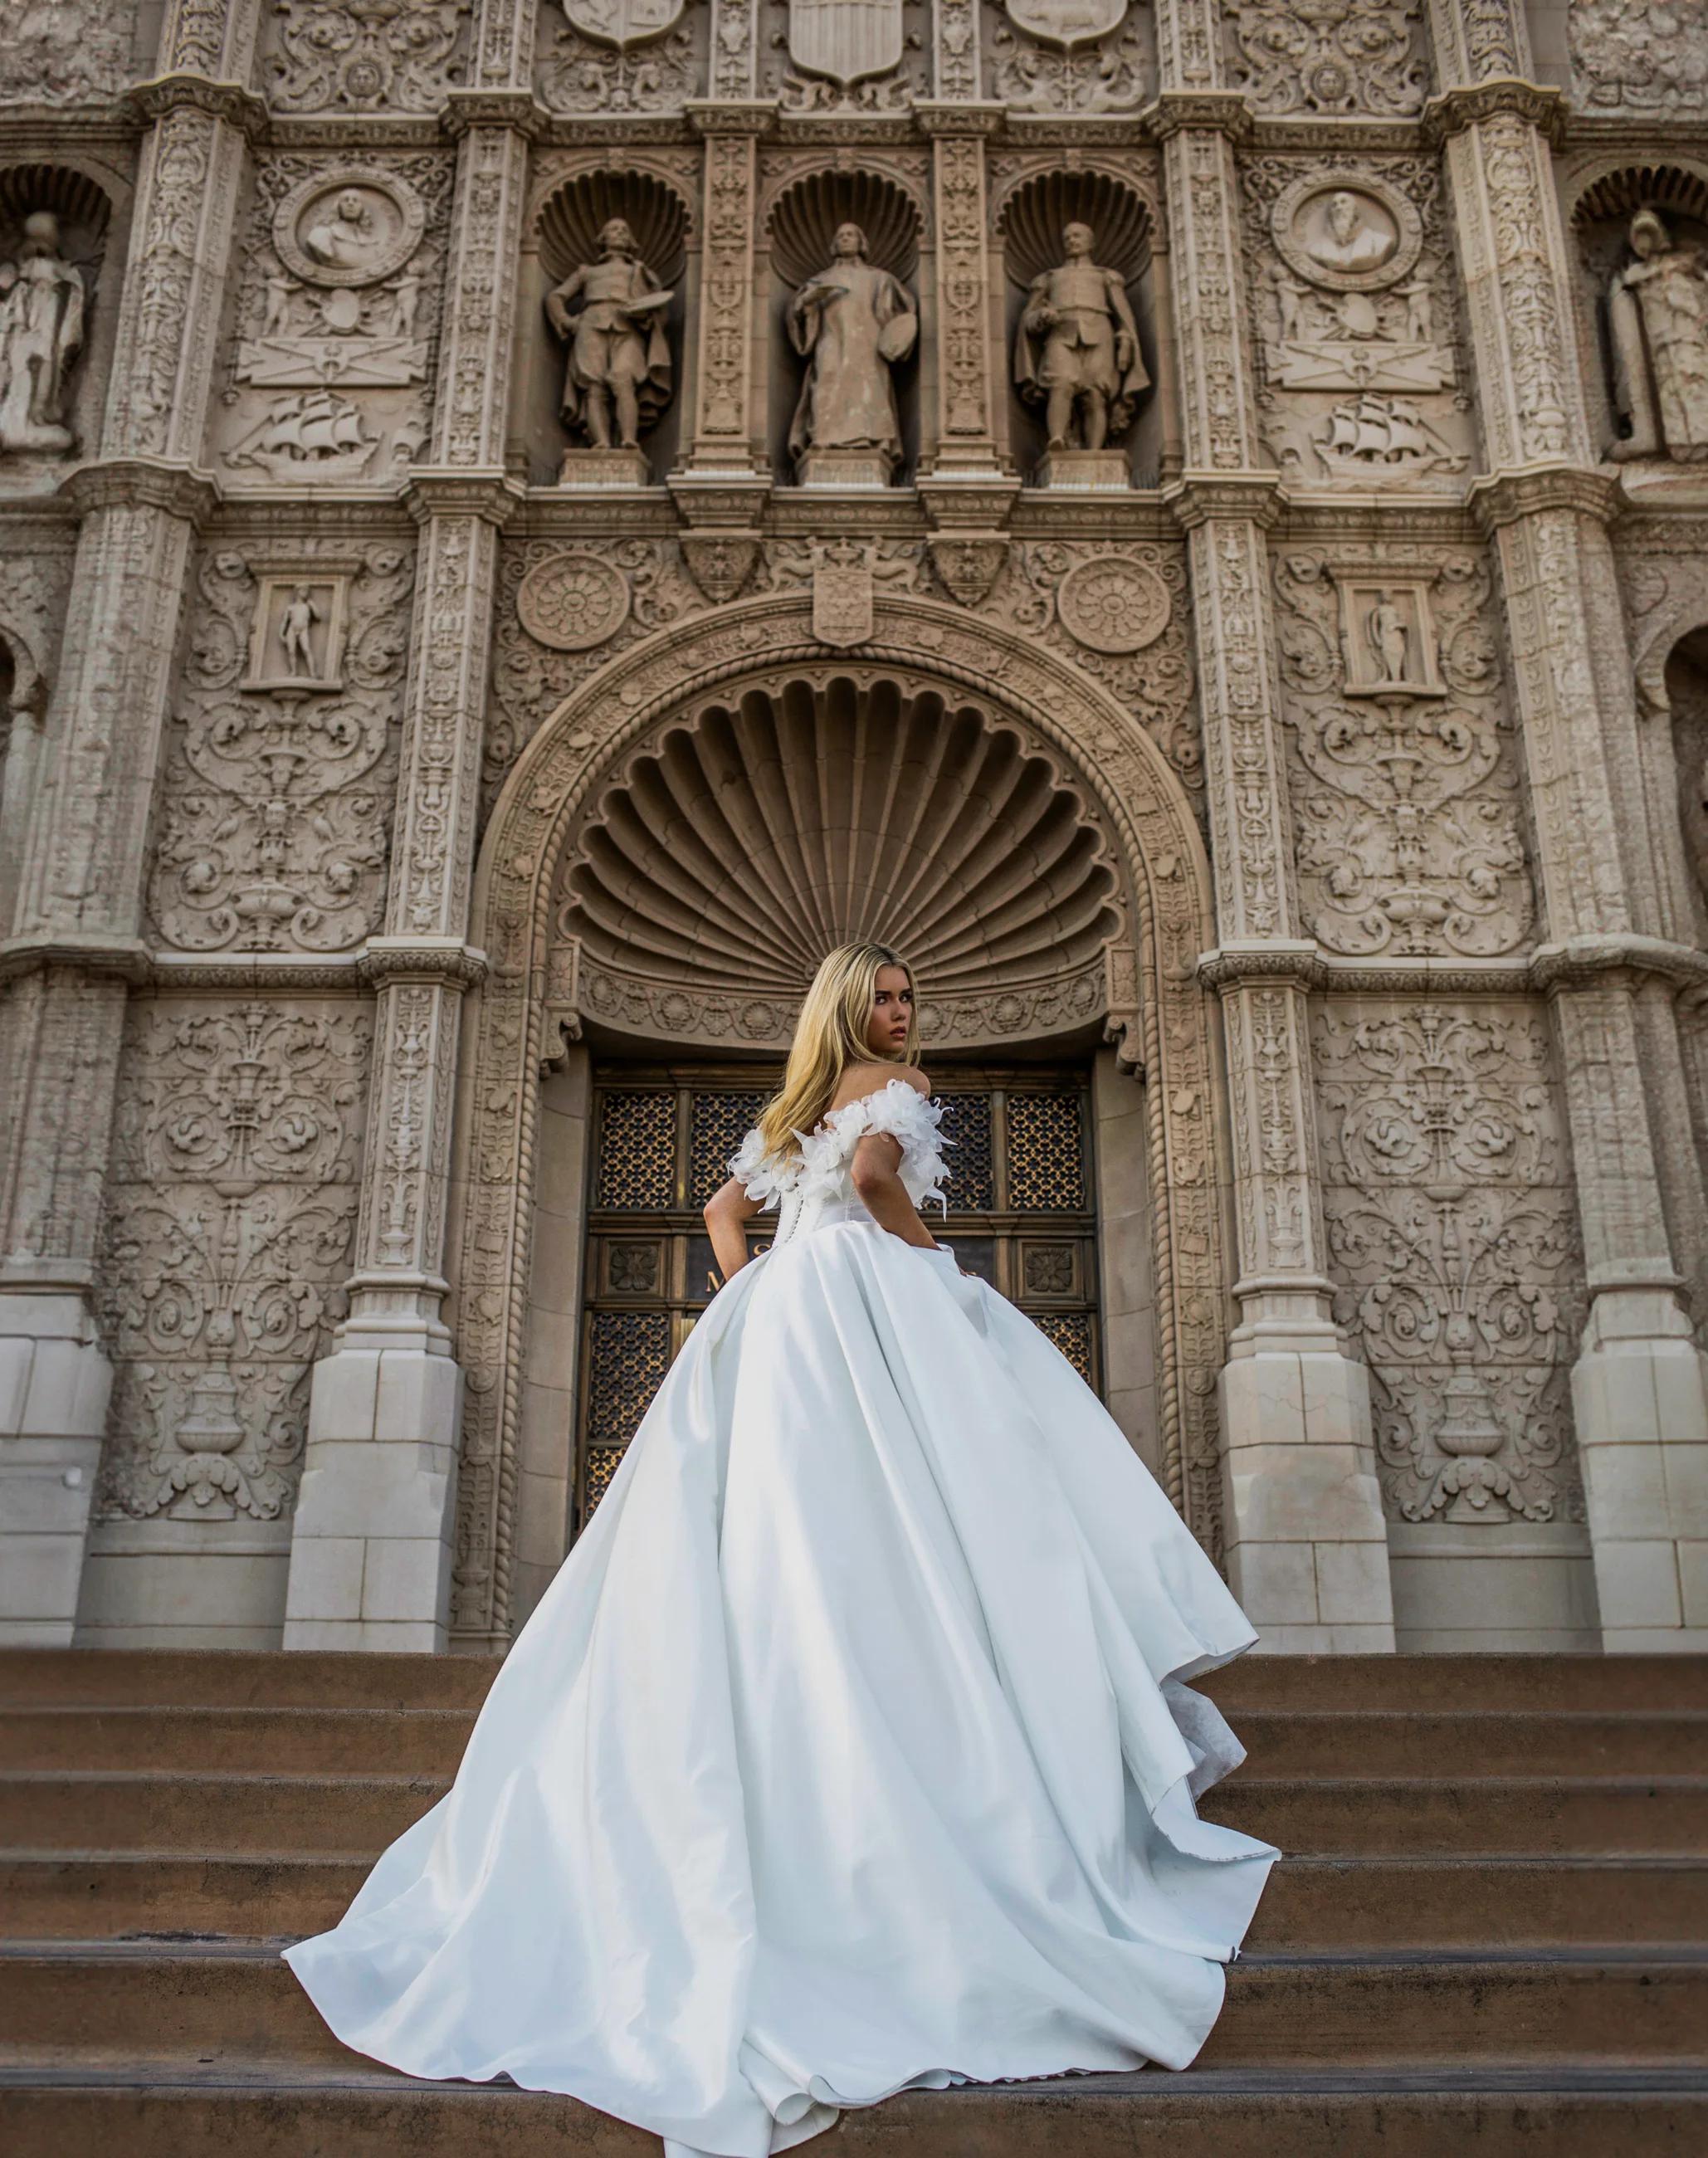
{"x": 732, "y": 852}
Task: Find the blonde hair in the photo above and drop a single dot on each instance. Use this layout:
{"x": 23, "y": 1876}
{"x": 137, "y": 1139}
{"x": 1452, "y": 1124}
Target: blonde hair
{"x": 830, "y": 1035}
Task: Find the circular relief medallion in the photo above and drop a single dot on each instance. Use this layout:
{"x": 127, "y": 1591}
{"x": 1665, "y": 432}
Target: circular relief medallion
{"x": 572, "y": 602}
{"x": 1348, "y": 233}
{"x": 1111, "y": 605}
{"x": 352, "y": 227}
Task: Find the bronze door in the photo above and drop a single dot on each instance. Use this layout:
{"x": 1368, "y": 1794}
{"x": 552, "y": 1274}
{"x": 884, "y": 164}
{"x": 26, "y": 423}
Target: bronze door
{"x": 1022, "y": 1214}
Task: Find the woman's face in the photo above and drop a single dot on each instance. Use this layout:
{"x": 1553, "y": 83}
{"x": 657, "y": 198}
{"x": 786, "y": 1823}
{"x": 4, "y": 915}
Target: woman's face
{"x": 892, "y": 1012}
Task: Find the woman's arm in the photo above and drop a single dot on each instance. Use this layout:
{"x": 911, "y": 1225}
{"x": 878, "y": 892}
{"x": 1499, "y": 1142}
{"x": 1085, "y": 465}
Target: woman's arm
{"x": 877, "y": 1164}
{"x": 727, "y": 1213}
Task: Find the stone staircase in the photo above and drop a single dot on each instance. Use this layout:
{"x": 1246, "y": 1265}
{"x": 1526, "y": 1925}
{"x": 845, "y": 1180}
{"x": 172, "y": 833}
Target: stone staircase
{"x": 1490, "y": 1934}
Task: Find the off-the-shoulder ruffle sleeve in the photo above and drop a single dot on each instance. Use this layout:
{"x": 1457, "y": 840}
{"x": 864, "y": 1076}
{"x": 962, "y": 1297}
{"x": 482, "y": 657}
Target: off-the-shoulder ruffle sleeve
{"x": 763, "y": 1177}
{"x": 907, "y": 1116}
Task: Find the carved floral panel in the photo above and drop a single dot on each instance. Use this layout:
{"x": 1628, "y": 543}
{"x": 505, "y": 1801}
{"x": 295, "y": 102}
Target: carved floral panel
{"x": 351, "y": 56}
{"x": 1066, "y": 57}
{"x": 231, "y": 1213}
{"x": 1639, "y": 56}
{"x": 1450, "y": 1215}
{"x": 68, "y": 52}
{"x": 1404, "y": 771}
{"x": 1333, "y": 57}
{"x": 327, "y": 376}
{"x": 621, "y": 56}
{"x": 280, "y": 768}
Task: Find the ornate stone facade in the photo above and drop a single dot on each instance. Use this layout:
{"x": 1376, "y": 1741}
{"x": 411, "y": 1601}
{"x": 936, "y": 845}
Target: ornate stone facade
{"x": 520, "y": 520}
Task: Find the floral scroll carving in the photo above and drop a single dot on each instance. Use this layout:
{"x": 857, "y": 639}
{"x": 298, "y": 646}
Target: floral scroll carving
{"x": 231, "y": 1212}
{"x": 1631, "y": 56}
{"x": 365, "y": 55}
{"x": 1403, "y": 774}
{"x": 1450, "y": 1214}
{"x": 1338, "y": 56}
{"x": 278, "y": 802}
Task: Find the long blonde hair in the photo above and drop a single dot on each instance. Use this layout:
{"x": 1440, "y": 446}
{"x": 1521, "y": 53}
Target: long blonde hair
{"x": 830, "y": 1035}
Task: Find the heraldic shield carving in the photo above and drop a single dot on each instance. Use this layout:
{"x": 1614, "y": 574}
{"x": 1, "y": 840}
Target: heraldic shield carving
{"x": 623, "y": 22}
{"x": 1066, "y": 21}
{"x": 845, "y": 39}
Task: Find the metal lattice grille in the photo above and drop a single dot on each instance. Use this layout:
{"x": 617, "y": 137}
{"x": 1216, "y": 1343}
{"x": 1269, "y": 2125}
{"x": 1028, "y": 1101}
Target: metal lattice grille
{"x": 1018, "y": 1215}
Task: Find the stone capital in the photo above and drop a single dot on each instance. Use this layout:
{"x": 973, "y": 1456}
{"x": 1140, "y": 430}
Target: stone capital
{"x": 517, "y": 109}
{"x": 1233, "y": 965}
{"x": 939, "y": 117}
{"x": 1578, "y": 961}
{"x": 132, "y": 482}
{"x": 445, "y": 962}
{"x": 1219, "y": 111}
{"x": 1198, "y": 497}
{"x": 718, "y": 502}
{"x": 730, "y": 115}
{"x": 444, "y": 491}
{"x": 1502, "y": 497}
{"x": 1455, "y": 110}
{"x": 230, "y": 101}
{"x": 970, "y": 502}
{"x": 125, "y": 959}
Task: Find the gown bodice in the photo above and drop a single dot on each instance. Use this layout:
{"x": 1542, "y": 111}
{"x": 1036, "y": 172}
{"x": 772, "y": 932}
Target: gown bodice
{"x": 818, "y": 1189}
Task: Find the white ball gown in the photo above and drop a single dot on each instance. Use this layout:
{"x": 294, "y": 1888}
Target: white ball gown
{"x": 848, "y": 1750}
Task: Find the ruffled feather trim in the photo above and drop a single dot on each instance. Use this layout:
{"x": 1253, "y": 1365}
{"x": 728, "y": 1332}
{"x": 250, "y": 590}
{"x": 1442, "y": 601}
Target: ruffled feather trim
{"x": 896, "y": 1107}
{"x": 763, "y": 1177}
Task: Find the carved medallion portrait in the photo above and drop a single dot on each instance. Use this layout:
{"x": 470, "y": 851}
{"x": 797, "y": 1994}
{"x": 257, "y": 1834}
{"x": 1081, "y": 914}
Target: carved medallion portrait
{"x": 572, "y": 602}
{"x": 352, "y": 227}
{"x": 1348, "y": 238}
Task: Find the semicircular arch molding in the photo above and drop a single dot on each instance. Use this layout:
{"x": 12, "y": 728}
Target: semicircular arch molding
{"x": 1153, "y": 1005}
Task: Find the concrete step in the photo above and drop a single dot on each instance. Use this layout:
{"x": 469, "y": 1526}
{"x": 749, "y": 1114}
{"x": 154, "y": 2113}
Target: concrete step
{"x": 1499, "y": 1683}
{"x": 1347, "y": 1817}
{"x": 92, "y": 2004}
{"x": 240, "y": 1678}
{"x": 430, "y": 1741}
{"x": 369, "y": 2113}
{"x": 1367, "y": 1903}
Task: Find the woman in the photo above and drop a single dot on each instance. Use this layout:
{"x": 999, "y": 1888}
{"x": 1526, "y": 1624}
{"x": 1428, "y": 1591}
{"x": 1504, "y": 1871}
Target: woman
{"x": 847, "y": 1751}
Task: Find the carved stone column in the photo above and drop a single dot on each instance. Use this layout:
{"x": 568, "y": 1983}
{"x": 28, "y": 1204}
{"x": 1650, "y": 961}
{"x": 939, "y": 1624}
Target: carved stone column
{"x": 965, "y": 449}
{"x": 371, "y": 1542}
{"x": 1640, "y": 1386}
{"x": 1307, "y": 1539}
{"x": 75, "y": 931}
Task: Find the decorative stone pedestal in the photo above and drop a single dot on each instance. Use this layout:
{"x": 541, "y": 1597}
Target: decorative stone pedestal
{"x": 844, "y": 469}
{"x": 371, "y": 1545}
{"x": 588, "y": 471}
{"x": 1307, "y": 1540}
{"x": 54, "y": 1382}
{"x": 1639, "y": 1395}
{"x": 1085, "y": 472}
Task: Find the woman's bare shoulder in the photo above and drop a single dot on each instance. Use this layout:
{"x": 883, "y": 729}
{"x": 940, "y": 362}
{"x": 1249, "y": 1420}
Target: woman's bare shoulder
{"x": 859, "y": 1079}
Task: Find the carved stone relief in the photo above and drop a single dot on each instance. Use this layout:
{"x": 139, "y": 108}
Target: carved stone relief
{"x": 1450, "y": 1215}
{"x": 1632, "y": 56}
{"x": 634, "y": 56}
{"x": 280, "y": 760}
{"x": 1338, "y": 56}
{"x": 1068, "y": 56}
{"x": 844, "y": 56}
{"x": 337, "y": 320}
{"x": 1358, "y": 336}
{"x": 352, "y": 56}
{"x": 1404, "y": 773}
{"x": 231, "y": 1208}
{"x": 70, "y": 53}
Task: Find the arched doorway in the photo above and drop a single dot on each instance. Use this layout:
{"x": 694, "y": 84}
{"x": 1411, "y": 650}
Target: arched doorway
{"x": 678, "y": 843}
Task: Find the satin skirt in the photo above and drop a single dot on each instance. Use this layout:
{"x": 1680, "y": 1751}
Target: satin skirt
{"x": 848, "y": 1750}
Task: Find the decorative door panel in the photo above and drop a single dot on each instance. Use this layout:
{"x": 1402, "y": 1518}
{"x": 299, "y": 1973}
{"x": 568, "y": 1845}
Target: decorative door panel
{"x": 1021, "y": 1214}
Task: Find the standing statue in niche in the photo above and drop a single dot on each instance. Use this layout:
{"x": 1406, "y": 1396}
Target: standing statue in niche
{"x": 852, "y": 324}
{"x": 1658, "y": 313}
{"x": 41, "y": 334}
{"x": 619, "y": 363}
{"x": 1077, "y": 350}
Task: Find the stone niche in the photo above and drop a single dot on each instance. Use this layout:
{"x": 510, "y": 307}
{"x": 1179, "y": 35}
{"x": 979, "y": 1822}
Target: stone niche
{"x": 798, "y": 240}
{"x": 1031, "y": 210}
{"x": 69, "y": 358}
{"x": 572, "y": 208}
{"x": 1645, "y": 364}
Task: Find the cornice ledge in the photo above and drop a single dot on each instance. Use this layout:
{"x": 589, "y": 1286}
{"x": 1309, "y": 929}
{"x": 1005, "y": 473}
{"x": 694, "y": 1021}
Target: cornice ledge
{"x": 942, "y": 116}
{"x": 519, "y": 109}
{"x": 87, "y": 950}
{"x": 126, "y": 483}
{"x": 1461, "y": 107}
{"x": 970, "y": 502}
{"x": 447, "y": 961}
{"x": 1500, "y": 498}
{"x": 1216, "y": 111}
{"x": 483, "y": 491}
{"x": 1254, "y": 497}
{"x": 1235, "y": 965}
{"x": 730, "y": 115}
{"x": 717, "y": 500}
{"x": 1578, "y": 961}
{"x": 231, "y": 101}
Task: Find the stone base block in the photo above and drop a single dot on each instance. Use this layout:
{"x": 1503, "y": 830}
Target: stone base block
{"x": 1307, "y": 1539}
{"x": 590, "y": 470}
{"x": 55, "y": 1383}
{"x": 1639, "y": 1393}
{"x": 371, "y": 1543}
{"x": 844, "y": 468}
{"x": 1086, "y": 472}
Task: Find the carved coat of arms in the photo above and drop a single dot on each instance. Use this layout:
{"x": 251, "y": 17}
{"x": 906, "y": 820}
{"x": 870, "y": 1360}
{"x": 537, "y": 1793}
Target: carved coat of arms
{"x": 623, "y": 22}
{"x": 846, "y": 39}
{"x": 843, "y": 611}
{"x": 1066, "y": 21}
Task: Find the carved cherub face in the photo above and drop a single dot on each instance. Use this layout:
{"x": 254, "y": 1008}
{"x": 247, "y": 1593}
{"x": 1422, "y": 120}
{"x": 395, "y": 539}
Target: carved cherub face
{"x": 849, "y": 243}
{"x": 1076, "y": 239}
{"x": 616, "y": 238}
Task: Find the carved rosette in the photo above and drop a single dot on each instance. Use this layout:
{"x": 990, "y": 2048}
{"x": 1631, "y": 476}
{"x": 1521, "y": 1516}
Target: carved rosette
{"x": 1447, "y": 1192}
